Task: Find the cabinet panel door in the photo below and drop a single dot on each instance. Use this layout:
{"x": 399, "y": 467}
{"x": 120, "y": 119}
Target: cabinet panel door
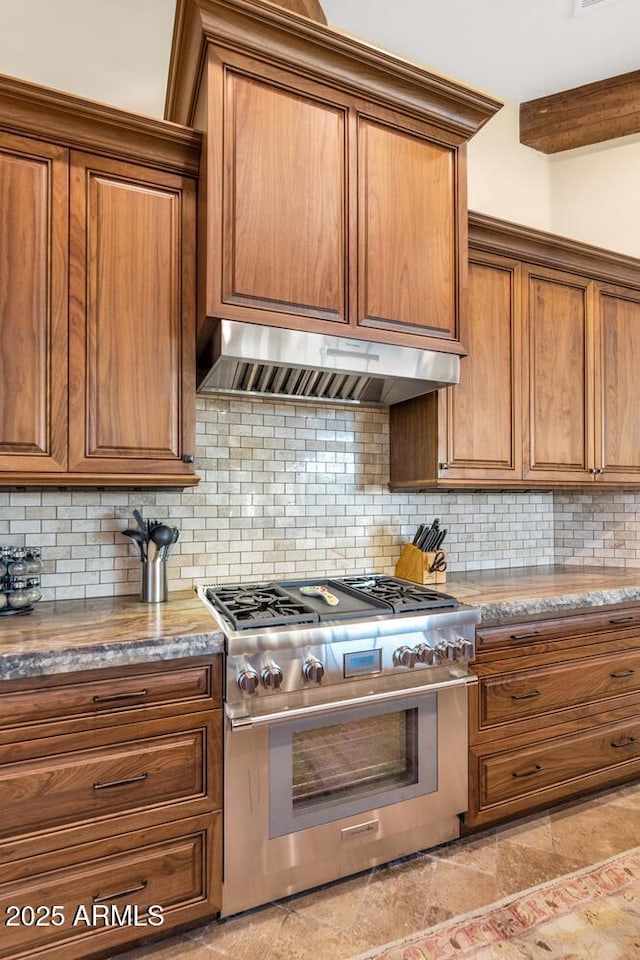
{"x": 618, "y": 385}
{"x": 483, "y": 422}
{"x": 558, "y": 372}
{"x": 131, "y": 340}
{"x": 407, "y": 231}
{"x": 34, "y": 222}
{"x": 284, "y": 193}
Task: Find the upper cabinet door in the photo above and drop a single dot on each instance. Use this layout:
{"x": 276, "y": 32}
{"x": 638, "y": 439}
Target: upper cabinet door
{"x": 407, "y": 231}
{"x": 283, "y": 189}
{"x": 33, "y": 305}
{"x": 558, "y": 369}
{"x": 131, "y": 337}
{"x": 617, "y": 385}
{"x": 483, "y": 422}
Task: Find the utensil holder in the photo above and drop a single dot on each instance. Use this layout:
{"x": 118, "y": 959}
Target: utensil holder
{"x": 153, "y": 588}
{"x": 413, "y": 564}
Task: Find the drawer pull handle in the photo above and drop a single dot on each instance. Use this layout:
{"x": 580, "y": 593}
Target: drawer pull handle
{"x": 623, "y": 742}
{"x": 525, "y": 636}
{"x": 103, "y": 898}
{"x": 115, "y": 697}
{"x": 526, "y": 696}
{"x": 619, "y": 674}
{"x": 621, "y": 619}
{"x": 536, "y": 768}
{"x": 120, "y": 783}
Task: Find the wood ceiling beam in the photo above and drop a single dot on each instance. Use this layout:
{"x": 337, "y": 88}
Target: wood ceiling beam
{"x": 576, "y": 118}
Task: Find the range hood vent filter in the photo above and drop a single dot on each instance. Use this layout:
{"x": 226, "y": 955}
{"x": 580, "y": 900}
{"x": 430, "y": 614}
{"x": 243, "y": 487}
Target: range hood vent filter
{"x": 291, "y": 364}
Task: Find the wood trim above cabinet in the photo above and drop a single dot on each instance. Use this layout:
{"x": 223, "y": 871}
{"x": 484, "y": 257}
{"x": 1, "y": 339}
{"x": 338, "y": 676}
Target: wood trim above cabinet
{"x": 288, "y": 40}
{"x": 87, "y": 125}
{"x": 537, "y": 247}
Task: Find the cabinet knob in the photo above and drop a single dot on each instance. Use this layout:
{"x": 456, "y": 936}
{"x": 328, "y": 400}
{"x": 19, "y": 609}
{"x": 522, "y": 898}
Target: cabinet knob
{"x": 188, "y": 458}
{"x": 444, "y": 466}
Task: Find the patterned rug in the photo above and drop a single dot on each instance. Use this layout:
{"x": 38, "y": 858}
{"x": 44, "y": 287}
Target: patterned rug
{"x": 593, "y": 914}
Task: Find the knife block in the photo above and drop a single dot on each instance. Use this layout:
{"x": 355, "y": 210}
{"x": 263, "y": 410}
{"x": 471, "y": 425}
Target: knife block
{"x": 413, "y": 564}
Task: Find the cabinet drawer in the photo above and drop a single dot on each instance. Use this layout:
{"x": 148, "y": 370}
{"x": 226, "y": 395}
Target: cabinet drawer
{"x": 541, "y": 690}
{"x": 46, "y": 792}
{"x": 198, "y": 685}
{"x": 103, "y": 900}
{"x": 521, "y": 771}
{"x": 561, "y": 628}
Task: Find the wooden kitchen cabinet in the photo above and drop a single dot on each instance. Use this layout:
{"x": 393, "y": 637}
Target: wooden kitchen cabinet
{"x": 132, "y": 329}
{"x": 471, "y": 431}
{"x": 333, "y": 184}
{"x": 97, "y": 318}
{"x": 548, "y": 392}
{"x": 558, "y": 366}
{"x": 555, "y": 711}
{"x": 111, "y": 787}
{"x": 33, "y": 304}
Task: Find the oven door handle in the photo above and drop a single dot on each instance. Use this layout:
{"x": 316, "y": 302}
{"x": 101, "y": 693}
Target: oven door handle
{"x": 337, "y": 706}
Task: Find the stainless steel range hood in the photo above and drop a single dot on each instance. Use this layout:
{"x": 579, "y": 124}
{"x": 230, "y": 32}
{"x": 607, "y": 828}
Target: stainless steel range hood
{"x": 289, "y": 364}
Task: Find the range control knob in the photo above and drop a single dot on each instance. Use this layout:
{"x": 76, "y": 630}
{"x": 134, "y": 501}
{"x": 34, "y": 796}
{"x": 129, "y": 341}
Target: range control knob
{"x": 272, "y": 676}
{"x": 404, "y": 657}
{"x": 425, "y": 653}
{"x": 313, "y": 670}
{"x": 248, "y": 680}
{"x": 466, "y": 648}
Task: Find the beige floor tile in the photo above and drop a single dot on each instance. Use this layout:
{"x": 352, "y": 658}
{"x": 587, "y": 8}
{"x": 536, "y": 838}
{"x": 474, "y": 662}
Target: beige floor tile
{"x": 626, "y": 796}
{"x": 591, "y": 833}
{"x": 336, "y": 904}
{"x": 302, "y": 938}
{"x": 534, "y": 831}
{"x": 521, "y": 867}
{"x": 457, "y": 889}
{"x": 396, "y": 901}
{"x": 475, "y": 852}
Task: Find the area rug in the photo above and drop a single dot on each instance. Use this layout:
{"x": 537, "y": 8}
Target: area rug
{"x": 592, "y": 914}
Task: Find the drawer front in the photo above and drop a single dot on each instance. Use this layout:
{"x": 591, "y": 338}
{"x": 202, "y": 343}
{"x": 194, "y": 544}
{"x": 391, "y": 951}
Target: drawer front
{"x": 106, "y": 899}
{"x": 524, "y": 771}
{"x": 530, "y": 693}
{"x": 99, "y": 697}
{"x": 43, "y": 793}
{"x": 536, "y": 631}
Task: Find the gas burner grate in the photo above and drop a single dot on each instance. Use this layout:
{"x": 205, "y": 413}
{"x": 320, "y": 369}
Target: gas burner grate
{"x": 401, "y": 595}
{"x": 248, "y": 605}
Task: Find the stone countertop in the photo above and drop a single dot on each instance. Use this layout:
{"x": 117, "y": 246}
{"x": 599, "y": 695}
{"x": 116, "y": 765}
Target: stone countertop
{"x": 514, "y": 593}
{"x": 69, "y": 635}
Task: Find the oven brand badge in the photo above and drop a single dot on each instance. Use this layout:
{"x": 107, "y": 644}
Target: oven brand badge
{"x": 360, "y": 829}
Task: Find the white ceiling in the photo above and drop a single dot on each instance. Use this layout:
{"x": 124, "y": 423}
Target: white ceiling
{"x": 117, "y": 51}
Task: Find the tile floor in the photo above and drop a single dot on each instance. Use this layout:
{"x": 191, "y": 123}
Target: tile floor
{"x": 340, "y": 920}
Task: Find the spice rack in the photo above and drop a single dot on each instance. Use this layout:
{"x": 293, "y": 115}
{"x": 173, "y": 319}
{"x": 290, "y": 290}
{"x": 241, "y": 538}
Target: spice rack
{"x": 20, "y": 569}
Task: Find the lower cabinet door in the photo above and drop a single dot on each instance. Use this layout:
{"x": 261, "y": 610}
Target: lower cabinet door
{"x": 112, "y": 893}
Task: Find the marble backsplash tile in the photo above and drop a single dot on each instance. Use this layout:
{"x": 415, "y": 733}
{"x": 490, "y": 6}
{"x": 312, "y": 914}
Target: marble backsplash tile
{"x": 287, "y": 489}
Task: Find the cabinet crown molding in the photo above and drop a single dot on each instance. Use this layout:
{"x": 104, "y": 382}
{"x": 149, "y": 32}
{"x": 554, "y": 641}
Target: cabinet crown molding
{"x": 504, "y": 238}
{"x": 288, "y": 40}
{"x": 77, "y": 123}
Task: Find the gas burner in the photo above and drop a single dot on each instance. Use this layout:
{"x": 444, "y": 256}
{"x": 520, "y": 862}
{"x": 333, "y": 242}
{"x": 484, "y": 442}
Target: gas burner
{"x": 401, "y": 595}
{"x": 259, "y": 605}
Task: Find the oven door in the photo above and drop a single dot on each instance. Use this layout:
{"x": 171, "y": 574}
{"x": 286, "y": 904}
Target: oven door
{"x": 325, "y": 793}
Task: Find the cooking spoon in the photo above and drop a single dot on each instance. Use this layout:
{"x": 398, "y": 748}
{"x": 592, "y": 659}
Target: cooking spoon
{"x": 137, "y": 516}
{"x": 161, "y": 535}
{"x": 139, "y": 539}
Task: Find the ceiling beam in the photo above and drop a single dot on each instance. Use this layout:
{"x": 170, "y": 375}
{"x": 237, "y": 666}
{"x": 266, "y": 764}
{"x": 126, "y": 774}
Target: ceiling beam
{"x": 308, "y": 8}
{"x": 590, "y": 114}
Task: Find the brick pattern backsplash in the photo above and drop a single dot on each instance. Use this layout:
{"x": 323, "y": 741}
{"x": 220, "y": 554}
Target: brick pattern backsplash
{"x": 597, "y": 528}
{"x": 287, "y": 489}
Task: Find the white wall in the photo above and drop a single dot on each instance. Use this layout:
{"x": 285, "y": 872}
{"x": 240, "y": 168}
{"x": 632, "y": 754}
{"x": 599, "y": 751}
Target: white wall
{"x": 590, "y": 194}
{"x": 595, "y": 194}
{"x": 507, "y": 180}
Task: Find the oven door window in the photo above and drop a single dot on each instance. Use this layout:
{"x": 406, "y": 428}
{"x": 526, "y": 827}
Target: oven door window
{"x": 326, "y": 768}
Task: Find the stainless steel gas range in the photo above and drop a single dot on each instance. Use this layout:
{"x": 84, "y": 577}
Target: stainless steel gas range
{"x": 345, "y": 728}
